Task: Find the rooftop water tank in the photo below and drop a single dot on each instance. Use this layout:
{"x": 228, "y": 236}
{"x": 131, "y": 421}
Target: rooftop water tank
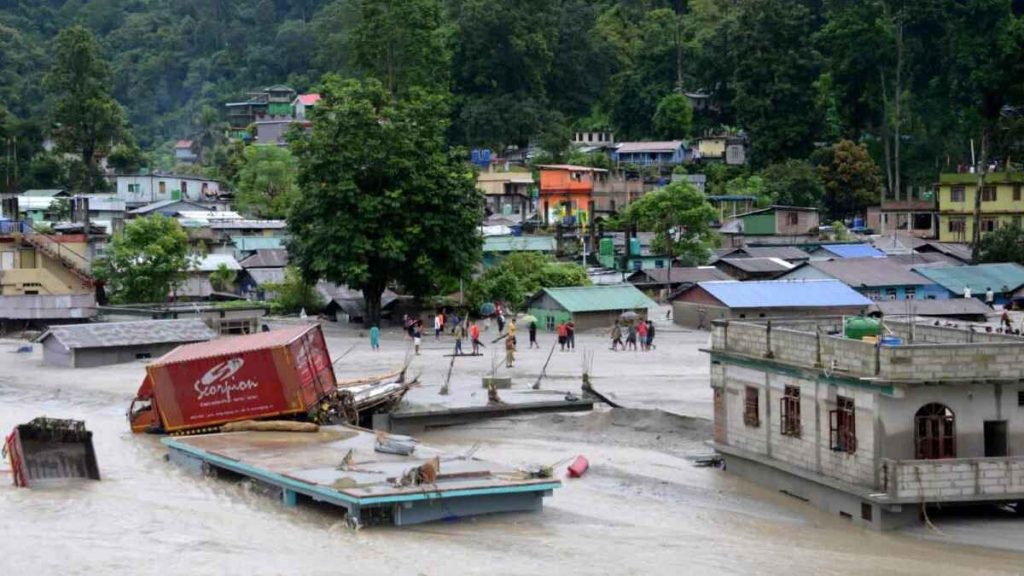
{"x": 857, "y": 327}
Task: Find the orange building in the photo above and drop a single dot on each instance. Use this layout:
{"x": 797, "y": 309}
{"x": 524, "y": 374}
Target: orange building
{"x": 566, "y": 192}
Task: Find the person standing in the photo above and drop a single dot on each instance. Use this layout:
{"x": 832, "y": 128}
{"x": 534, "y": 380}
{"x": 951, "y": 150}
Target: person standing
{"x": 437, "y": 326}
{"x": 417, "y": 335}
{"x": 650, "y": 335}
{"x": 617, "y": 337}
{"x": 570, "y": 335}
{"x": 967, "y": 291}
{"x": 459, "y": 333}
{"x": 474, "y": 336}
{"x": 512, "y": 328}
{"x": 1005, "y": 320}
{"x": 533, "y": 335}
{"x": 631, "y": 337}
{"x": 562, "y": 335}
{"x": 641, "y": 333}
{"x": 374, "y": 338}
{"x": 990, "y": 298}
{"x": 501, "y": 323}
{"x": 510, "y": 351}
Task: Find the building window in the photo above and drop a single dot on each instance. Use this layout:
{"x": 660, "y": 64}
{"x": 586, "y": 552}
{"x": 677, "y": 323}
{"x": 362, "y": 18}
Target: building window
{"x": 866, "y": 512}
{"x": 989, "y": 224}
{"x": 790, "y": 424}
{"x": 872, "y": 294}
{"x": 842, "y": 426}
{"x": 989, "y": 194}
{"x": 750, "y": 407}
{"x": 890, "y": 293}
{"x": 1016, "y": 192}
{"x": 935, "y": 432}
{"x": 956, "y": 193}
{"x": 910, "y": 292}
{"x": 792, "y": 218}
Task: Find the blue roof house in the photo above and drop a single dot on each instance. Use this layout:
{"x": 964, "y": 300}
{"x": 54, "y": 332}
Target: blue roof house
{"x": 698, "y": 305}
{"x": 670, "y": 153}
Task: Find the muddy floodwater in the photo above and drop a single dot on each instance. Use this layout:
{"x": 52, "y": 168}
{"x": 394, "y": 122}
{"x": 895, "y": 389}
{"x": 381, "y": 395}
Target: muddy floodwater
{"x": 643, "y": 508}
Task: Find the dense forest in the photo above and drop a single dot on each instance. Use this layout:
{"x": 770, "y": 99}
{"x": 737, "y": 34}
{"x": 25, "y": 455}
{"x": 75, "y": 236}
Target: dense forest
{"x": 915, "y": 81}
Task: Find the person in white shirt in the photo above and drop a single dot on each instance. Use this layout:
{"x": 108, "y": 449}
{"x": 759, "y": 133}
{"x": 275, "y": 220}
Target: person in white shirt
{"x": 967, "y": 291}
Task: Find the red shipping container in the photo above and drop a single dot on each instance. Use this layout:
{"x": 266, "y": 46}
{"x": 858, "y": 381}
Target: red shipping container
{"x": 279, "y": 373}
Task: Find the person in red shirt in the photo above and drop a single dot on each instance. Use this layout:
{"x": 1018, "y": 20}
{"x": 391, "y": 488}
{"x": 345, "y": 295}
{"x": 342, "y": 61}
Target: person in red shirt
{"x": 563, "y": 332}
{"x": 474, "y": 335}
{"x": 641, "y": 331}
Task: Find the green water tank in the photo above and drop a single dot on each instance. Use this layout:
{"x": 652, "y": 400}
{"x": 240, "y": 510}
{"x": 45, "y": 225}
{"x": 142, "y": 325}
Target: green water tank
{"x": 857, "y": 327}
{"x": 607, "y": 247}
{"x": 634, "y": 246}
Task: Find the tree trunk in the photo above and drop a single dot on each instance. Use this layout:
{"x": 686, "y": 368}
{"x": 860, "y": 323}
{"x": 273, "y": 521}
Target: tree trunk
{"x": 897, "y": 122}
{"x": 371, "y": 298}
{"x": 886, "y": 142}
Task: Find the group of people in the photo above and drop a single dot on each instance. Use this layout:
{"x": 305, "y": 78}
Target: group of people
{"x": 639, "y": 335}
{"x": 566, "y": 335}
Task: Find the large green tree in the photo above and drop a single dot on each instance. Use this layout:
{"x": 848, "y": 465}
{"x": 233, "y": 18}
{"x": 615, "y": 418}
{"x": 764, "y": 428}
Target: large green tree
{"x": 1006, "y": 244}
{"x": 851, "y": 179}
{"x": 774, "y": 79}
{"x": 88, "y": 118}
{"x": 793, "y": 183}
{"x": 680, "y": 218}
{"x": 266, "y": 181}
{"x": 146, "y": 261}
{"x": 396, "y": 208}
{"x": 521, "y": 274}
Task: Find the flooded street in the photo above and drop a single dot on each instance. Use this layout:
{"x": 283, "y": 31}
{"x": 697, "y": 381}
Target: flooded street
{"x": 641, "y": 509}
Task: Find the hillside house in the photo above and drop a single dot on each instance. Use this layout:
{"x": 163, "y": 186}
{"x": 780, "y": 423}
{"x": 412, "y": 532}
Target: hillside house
{"x": 566, "y": 193}
{"x": 659, "y": 154}
{"x": 507, "y": 193}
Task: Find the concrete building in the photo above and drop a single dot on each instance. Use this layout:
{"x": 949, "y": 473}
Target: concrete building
{"x": 699, "y": 305}
{"x": 794, "y": 221}
{"x": 100, "y": 344}
{"x": 566, "y": 192}
{"x": 659, "y": 154}
{"x": 873, "y": 434}
{"x": 589, "y": 307}
{"x": 875, "y": 278}
{"x": 303, "y": 105}
{"x": 139, "y": 190}
{"x": 1002, "y": 204}
{"x": 507, "y": 193}
{"x": 184, "y": 152}
{"x": 44, "y": 277}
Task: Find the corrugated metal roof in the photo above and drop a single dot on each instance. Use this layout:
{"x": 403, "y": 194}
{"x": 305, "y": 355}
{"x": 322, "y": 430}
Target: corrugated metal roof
{"x": 870, "y": 272}
{"x": 164, "y": 204}
{"x": 651, "y": 147}
{"x": 519, "y": 244}
{"x": 45, "y": 193}
{"x": 211, "y": 262}
{"x": 780, "y": 252}
{"x": 263, "y": 276}
{"x": 250, "y": 243}
{"x": 679, "y": 275}
{"x": 785, "y": 294}
{"x": 142, "y": 332}
{"x": 599, "y": 298}
{"x": 853, "y": 250}
{"x": 961, "y": 252}
{"x": 233, "y": 345}
{"x": 758, "y": 264}
{"x": 979, "y": 277}
{"x": 266, "y": 259}
{"x": 924, "y": 259}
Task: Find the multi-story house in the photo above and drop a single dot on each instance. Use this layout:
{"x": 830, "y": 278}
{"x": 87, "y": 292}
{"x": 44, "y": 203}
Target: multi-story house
{"x": 507, "y": 193}
{"x": 1002, "y": 204}
{"x": 566, "y": 192}
{"x": 874, "y": 433}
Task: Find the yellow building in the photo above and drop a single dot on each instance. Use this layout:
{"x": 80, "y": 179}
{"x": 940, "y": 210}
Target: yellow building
{"x": 1002, "y": 204}
{"x": 44, "y": 277}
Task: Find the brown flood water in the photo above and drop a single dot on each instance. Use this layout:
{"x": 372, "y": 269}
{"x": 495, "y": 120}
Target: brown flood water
{"x": 641, "y": 509}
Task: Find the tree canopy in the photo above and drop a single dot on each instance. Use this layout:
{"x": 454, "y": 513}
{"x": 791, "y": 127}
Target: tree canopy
{"x": 679, "y": 216}
{"x": 266, "y": 181}
{"x": 396, "y": 208}
{"x": 521, "y": 274}
{"x": 146, "y": 261}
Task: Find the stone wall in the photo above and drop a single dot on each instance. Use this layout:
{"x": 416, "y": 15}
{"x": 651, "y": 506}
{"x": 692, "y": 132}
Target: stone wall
{"x": 928, "y": 334}
{"x": 933, "y": 362}
{"x": 844, "y": 356}
{"x": 955, "y": 479}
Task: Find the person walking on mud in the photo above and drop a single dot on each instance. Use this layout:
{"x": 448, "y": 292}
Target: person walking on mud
{"x": 474, "y": 337}
{"x": 459, "y": 333}
{"x": 617, "y": 337}
{"x": 375, "y": 338}
{"x": 510, "y": 351}
{"x": 417, "y": 335}
{"x": 631, "y": 337}
{"x": 562, "y": 335}
{"x": 570, "y": 335}
{"x": 641, "y": 334}
{"x": 533, "y": 335}
{"x": 650, "y": 335}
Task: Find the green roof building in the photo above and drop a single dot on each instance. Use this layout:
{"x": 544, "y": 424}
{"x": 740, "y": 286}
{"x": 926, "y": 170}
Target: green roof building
{"x": 1005, "y": 280}
{"x": 588, "y": 306}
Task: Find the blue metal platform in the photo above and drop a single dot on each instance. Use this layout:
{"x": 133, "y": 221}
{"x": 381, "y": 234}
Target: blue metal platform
{"x": 311, "y": 465}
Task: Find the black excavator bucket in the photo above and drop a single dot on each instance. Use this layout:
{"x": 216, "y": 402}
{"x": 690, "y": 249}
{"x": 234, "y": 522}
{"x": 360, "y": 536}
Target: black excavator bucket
{"x": 50, "y": 448}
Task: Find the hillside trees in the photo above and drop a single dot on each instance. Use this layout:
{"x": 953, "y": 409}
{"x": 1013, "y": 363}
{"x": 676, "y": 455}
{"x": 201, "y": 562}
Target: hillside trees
{"x": 146, "y": 261}
{"x": 87, "y": 115}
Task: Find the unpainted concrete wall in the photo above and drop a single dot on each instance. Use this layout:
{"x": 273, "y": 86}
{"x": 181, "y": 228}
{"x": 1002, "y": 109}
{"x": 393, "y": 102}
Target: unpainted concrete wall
{"x": 958, "y": 479}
